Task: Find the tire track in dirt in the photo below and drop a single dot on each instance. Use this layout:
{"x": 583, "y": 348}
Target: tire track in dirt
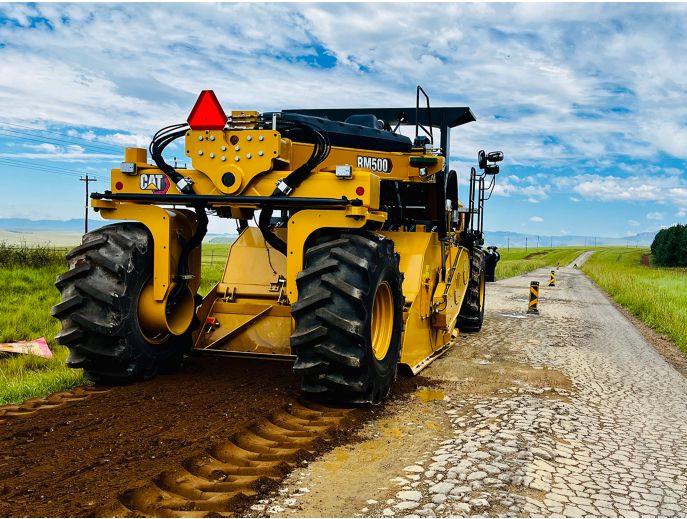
{"x": 71, "y": 460}
{"x": 226, "y": 476}
{"x": 208, "y": 440}
{"x": 33, "y": 405}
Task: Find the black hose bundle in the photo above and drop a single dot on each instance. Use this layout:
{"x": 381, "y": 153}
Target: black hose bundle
{"x": 160, "y": 141}
{"x": 186, "y": 248}
{"x": 320, "y": 152}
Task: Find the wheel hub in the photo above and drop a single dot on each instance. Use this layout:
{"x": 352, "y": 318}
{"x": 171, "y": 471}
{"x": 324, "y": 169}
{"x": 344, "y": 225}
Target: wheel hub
{"x": 382, "y": 324}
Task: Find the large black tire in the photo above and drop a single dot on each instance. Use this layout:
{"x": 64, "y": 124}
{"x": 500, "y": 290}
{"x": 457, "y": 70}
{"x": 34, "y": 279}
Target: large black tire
{"x": 471, "y": 314}
{"x": 344, "y": 274}
{"x": 99, "y": 308}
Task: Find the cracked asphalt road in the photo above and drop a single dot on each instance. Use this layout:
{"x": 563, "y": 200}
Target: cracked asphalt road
{"x": 568, "y": 413}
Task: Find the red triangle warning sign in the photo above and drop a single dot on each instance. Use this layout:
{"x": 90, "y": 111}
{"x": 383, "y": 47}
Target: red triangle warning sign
{"x": 207, "y": 114}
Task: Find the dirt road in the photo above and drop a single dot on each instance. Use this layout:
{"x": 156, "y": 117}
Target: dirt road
{"x": 570, "y": 412}
{"x": 204, "y": 441}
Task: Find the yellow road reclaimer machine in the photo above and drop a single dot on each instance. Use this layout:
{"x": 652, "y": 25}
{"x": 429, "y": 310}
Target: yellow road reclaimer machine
{"x": 354, "y": 253}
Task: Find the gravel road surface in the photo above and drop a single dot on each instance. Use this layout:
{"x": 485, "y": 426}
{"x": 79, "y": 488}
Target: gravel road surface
{"x": 566, "y": 413}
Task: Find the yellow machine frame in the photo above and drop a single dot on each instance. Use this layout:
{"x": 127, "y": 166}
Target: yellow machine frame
{"x": 248, "y": 311}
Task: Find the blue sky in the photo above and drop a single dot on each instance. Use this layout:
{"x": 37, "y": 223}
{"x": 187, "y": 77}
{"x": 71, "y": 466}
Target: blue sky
{"x": 587, "y": 101}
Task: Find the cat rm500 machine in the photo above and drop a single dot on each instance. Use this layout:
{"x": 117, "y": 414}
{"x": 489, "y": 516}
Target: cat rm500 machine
{"x": 354, "y": 254}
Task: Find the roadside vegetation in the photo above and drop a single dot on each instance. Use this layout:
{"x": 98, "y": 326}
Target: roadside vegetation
{"x": 27, "y": 295}
{"x": 657, "y": 296}
{"x": 520, "y": 261}
{"x": 212, "y": 268}
{"x": 34, "y": 256}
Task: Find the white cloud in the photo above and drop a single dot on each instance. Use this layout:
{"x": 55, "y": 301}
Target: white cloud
{"x": 560, "y": 95}
{"x": 654, "y": 188}
{"x": 536, "y": 219}
{"x": 633, "y": 223}
{"x": 118, "y": 138}
{"x": 531, "y": 187}
{"x": 606, "y": 119}
{"x": 655, "y": 216}
{"x": 681, "y": 212}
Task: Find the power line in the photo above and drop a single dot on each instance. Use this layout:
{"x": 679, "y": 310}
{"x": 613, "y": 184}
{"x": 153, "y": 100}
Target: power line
{"x": 41, "y": 169}
{"x": 44, "y": 140}
{"x": 20, "y": 164}
{"x": 72, "y": 140}
{"x": 29, "y": 164}
{"x": 70, "y": 137}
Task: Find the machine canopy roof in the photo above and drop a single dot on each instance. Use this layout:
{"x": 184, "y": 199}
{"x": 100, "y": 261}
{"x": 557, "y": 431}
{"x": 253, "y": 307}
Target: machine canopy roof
{"x": 441, "y": 116}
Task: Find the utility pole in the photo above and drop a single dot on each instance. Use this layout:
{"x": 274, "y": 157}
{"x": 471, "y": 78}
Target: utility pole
{"x": 537, "y": 241}
{"x": 525, "y": 243}
{"x": 552, "y": 242}
{"x": 87, "y": 180}
{"x": 509, "y": 244}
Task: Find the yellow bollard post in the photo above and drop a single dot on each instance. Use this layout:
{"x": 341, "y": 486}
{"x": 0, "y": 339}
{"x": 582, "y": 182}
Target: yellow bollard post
{"x": 534, "y": 298}
{"x": 552, "y": 279}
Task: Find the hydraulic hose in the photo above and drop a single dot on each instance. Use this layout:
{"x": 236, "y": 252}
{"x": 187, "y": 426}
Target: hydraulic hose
{"x": 187, "y": 247}
{"x": 294, "y": 179}
{"x": 264, "y": 226}
{"x": 160, "y": 141}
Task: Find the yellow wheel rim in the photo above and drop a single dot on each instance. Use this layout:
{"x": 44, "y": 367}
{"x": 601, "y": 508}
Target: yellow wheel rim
{"x": 382, "y": 320}
{"x": 145, "y": 305}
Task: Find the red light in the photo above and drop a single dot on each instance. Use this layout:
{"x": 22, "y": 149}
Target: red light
{"x": 207, "y": 113}
{"x": 211, "y": 320}
{"x": 360, "y": 190}
{"x": 119, "y": 186}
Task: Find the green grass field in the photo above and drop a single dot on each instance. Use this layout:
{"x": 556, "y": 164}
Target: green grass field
{"x": 29, "y": 293}
{"x": 520, "y": 261}
{"x": 212, "y": 268}
{"x": 26, "y": 298}
{"x": 658, "y": 296}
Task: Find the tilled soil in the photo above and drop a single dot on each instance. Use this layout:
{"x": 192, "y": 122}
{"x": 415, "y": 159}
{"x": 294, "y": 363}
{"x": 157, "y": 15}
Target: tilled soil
{"x": 71, "y": 460}
{"x": 209, "y": 440}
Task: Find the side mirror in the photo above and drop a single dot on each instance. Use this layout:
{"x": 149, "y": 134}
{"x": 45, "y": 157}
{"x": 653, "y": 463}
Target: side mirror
{"x": 481, "y": 159}
{"x": 491, "y": 169}
{"x": 495, "y": 156}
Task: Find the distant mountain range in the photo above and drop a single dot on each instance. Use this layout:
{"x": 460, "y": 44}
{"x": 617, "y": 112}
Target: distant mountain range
{"x": 24, "y": 224}
{"x": 498, "y": 238}
{"x": 516, "y": 239}
{"x": 21, "y": 226}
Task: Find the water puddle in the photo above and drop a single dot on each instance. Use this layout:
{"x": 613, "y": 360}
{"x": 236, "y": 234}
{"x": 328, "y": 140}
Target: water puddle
{"x": 430, "y": 395}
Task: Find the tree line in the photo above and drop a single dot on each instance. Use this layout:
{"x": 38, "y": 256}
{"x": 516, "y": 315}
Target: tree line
{"x": 669, "y": 248}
